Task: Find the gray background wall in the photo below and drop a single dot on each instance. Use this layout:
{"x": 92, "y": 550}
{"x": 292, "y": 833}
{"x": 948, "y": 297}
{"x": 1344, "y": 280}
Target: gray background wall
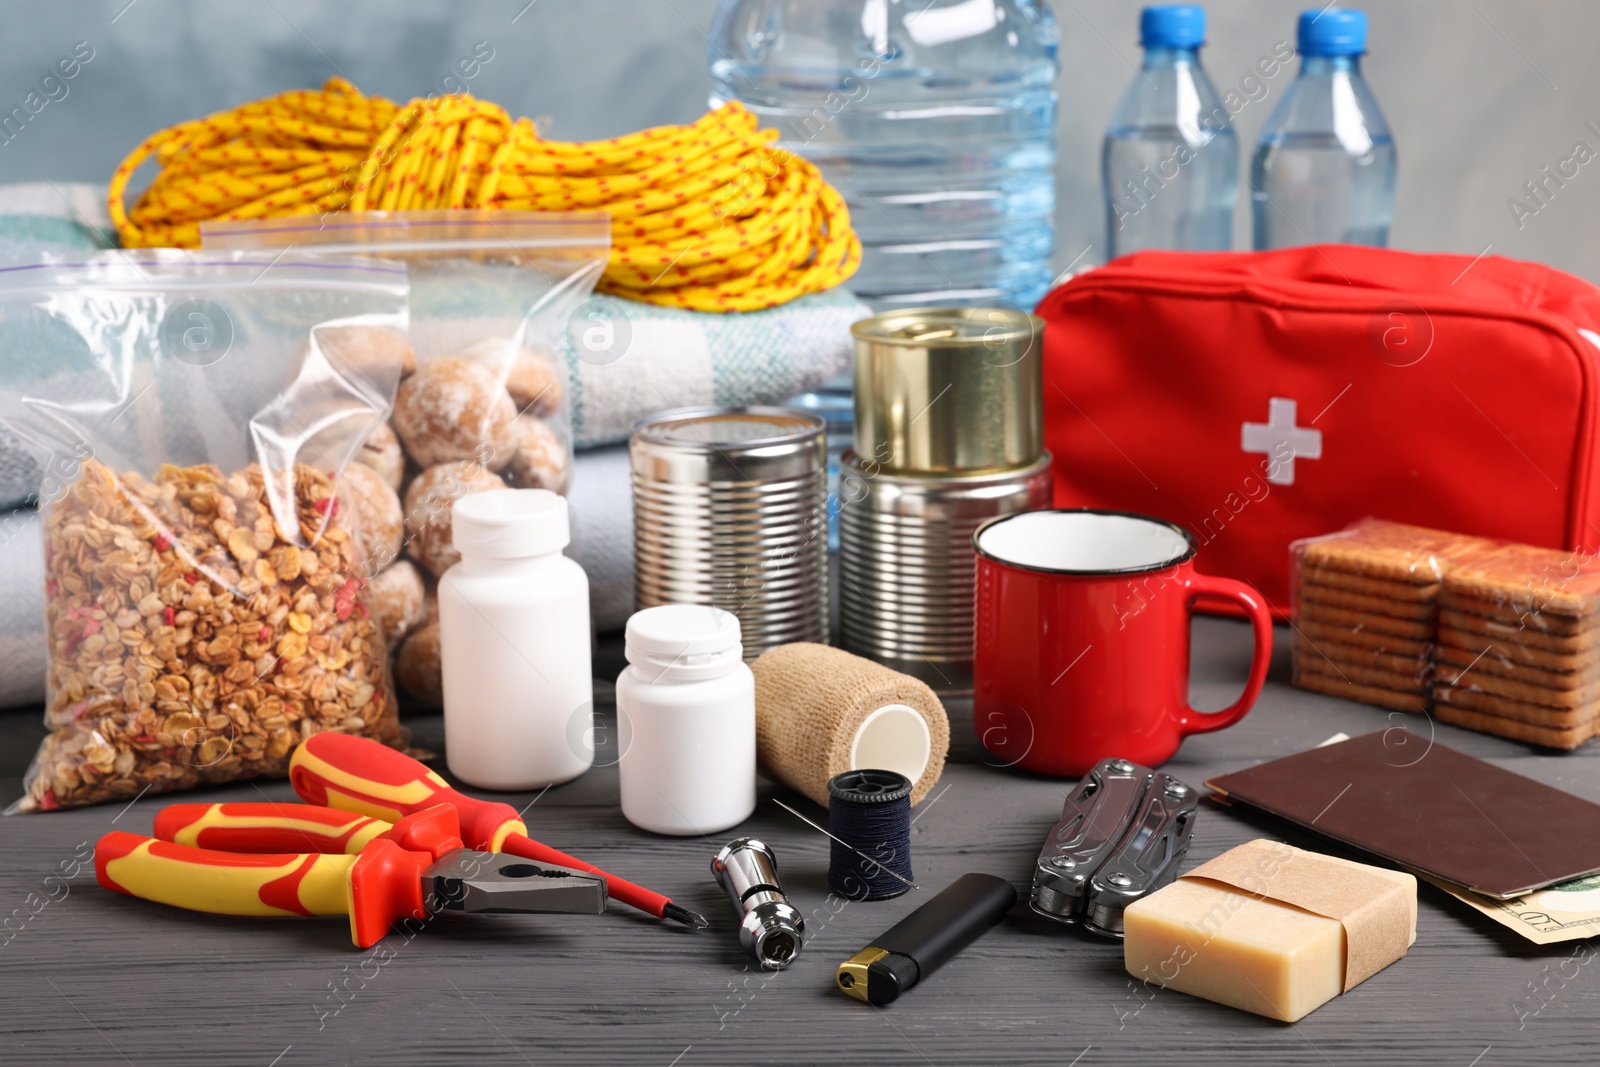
{"x": 1480, "y": 93}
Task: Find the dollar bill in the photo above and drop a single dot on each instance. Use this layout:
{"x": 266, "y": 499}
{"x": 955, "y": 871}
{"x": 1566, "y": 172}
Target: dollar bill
{"x": 1567, "y": 911}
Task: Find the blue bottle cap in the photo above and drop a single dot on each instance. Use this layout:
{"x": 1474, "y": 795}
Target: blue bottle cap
{"x": 1172, "y": 26}
{"x": 1332, "y": 32}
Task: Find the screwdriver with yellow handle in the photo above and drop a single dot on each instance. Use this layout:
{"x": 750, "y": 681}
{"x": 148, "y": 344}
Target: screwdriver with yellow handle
{"x": 365, "y": 776}
{"x": 361, "y": 868}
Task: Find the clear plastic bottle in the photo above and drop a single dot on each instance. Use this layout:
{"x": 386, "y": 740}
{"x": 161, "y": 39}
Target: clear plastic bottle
{"x": 1170, "y": 164}
{"x": 514, "y": 644}
{"x": 936, "y": 120}
{"x": 686, "y": 722}
{"x": 1324, "y": 165}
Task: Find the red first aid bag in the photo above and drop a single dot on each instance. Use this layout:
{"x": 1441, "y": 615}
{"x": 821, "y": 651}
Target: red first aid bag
{"x": 1258, "y": 398}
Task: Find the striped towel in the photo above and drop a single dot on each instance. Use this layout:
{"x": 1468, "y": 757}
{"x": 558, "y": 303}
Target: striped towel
{"x": 676, "y": 358}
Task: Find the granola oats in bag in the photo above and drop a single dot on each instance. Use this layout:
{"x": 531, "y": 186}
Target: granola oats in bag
{"x": 206, "y": 605}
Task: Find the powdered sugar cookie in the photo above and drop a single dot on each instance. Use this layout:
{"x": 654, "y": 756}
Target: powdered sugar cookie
{"x": 538, "y": 459}
{"x": 531, "y": 377}
{"x": 381, "y": 452}
{"x": 367, "y": 350}
{"x": 379, "y": 521}
{"x": 417, "y": 666}
{"x": 453, "y": 409}
{"x": 396, "y": 599}
{"x": 427, "y": 507}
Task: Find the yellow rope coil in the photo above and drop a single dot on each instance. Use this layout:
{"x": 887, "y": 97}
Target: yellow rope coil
{"x": 711, "y": 216}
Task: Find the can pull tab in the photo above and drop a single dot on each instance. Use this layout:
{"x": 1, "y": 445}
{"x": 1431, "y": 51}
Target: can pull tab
{"x": 1123, "y": 834}
{"x": 926, "y": 331}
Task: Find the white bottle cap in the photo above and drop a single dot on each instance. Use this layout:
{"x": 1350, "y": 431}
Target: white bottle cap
{"x": 683, "y": 642}
{"x": 509, "y": 524}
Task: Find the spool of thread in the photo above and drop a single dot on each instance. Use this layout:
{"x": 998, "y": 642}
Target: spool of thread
{"x": 821, "y": 711}
{"x": 871, "y": 810}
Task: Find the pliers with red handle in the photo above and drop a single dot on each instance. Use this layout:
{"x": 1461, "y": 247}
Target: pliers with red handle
{"x": 303, "y": 859}
{"x": 359, "y": 774}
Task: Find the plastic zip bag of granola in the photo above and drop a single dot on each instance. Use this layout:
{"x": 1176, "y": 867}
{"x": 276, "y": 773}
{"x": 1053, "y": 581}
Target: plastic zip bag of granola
{"x": 205, "y": 587}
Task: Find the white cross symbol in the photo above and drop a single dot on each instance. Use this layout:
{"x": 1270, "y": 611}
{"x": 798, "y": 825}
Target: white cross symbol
{"x": 1278, "y": 435}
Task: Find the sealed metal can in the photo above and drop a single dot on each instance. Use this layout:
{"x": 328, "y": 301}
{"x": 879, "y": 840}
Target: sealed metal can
{"x": 949, "y": 390}
{"x": 730, "y": 509}
{"x": 906, "y": 565}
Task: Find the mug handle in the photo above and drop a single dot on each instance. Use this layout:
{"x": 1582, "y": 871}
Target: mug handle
{"x": 1191, "y": 721}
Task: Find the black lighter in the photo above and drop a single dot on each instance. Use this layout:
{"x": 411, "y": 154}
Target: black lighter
{"x": 921, "y": 942}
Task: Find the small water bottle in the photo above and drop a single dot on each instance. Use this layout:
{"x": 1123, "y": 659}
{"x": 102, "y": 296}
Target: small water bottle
{"x": 1324, "y": 165}
{"x": 1170, "y": 164}
{"x": 514, "y": 644}
{"x": 935, "y": 120}
{"x": 686, "y": 722}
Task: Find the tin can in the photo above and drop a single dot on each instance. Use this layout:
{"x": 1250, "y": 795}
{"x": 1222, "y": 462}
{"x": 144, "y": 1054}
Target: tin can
{"x": 730, "y": 509}
{"x": 949, "y": 390}
{"x": 906, "y": 562}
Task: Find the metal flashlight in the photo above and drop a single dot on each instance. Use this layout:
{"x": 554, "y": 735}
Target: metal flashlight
{"x": 770, "y": 929}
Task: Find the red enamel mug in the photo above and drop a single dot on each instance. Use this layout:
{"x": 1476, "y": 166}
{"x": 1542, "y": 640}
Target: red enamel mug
{"x": 1082, "y": 647}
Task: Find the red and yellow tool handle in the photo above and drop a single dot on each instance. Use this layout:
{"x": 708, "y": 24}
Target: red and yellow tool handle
{"x": 268, "y": 828}
{"x": 362, "y": 775}
{"x": 274, "y": 827}
{"x": 380, "y": 886}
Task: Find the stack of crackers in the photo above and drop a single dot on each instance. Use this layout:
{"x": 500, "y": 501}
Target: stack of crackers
{"x": 1519, "y": 646}
{"x": 1366, "y": 610}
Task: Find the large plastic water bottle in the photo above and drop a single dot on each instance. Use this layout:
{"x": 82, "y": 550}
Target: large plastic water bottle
{"x": 1324, "y": 166}
{"x": 1170, "y": 164}
{"x": 934, "y": 118}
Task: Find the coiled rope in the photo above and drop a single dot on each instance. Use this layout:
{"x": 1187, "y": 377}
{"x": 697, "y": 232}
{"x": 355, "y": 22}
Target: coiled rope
{"x": 711, "y": 216}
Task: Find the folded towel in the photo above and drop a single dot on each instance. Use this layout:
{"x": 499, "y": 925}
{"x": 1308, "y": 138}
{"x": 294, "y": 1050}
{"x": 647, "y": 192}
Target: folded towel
{"x": 601, "y": 500}
{"x": 22, "y": 659}
{"x": 63, "y": 216}
{"x": 43, "y": 217}
{"x": 670, "y": 358}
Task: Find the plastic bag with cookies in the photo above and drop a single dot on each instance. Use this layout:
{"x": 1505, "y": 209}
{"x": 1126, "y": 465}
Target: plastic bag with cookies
{"x": 206, "y": 571}
{"x": 483, "y": 401}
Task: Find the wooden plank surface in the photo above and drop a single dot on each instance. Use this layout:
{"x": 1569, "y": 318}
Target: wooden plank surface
{"x": 93, "y": 977}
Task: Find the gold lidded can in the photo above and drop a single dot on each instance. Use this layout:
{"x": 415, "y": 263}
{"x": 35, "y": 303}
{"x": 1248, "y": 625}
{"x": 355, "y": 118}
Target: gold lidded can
{"x": 730, "y": 509}
{"x": 949, "y": 434}
{"x": 949, "y": 390}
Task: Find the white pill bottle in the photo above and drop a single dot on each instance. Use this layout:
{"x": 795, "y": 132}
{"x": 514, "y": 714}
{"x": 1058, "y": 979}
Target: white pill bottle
{"x": 686, "y": 722}
{"x": 514, "y": 644}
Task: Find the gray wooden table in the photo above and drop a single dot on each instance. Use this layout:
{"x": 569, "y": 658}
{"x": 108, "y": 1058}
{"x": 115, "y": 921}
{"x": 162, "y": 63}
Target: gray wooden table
{"x": 94, "y": 977}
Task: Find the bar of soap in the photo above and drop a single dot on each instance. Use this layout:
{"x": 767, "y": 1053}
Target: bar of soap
{"x": 1271, "y": 929}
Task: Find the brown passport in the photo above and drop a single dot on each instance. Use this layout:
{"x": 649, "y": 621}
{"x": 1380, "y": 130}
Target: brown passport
{"x": 1437, "y": 811}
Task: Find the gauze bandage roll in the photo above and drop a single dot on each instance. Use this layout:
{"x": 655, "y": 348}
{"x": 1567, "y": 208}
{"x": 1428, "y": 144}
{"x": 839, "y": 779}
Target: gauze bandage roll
{"x": 821, "y": 711}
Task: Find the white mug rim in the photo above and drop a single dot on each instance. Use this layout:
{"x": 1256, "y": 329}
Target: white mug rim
{"x": 1088, "y": 572}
